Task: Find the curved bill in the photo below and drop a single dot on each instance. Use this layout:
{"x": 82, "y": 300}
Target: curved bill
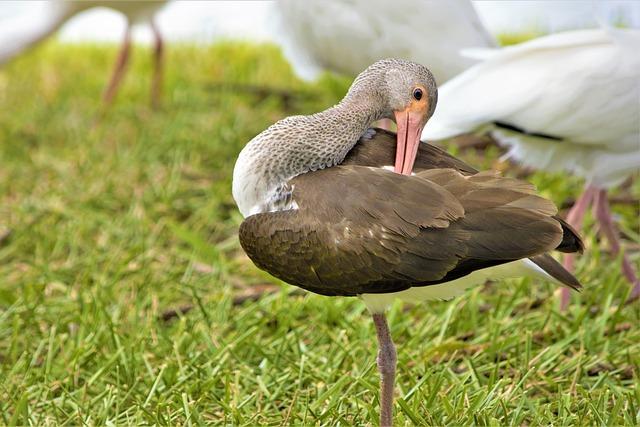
{"x": 410, "y": 124}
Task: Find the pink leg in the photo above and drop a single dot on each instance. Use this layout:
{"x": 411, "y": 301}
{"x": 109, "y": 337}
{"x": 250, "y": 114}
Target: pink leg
{"x": 387, "y": 366}
{"x": 575, "y": 218}
{"x": 158, "y": 56}
{"x": 608, "y": 227}
{"x": 118, "y": 71}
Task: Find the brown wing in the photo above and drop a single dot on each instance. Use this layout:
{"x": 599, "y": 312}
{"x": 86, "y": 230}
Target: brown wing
{"x": 377, "y": 149}
{"x": 365, "y": 230}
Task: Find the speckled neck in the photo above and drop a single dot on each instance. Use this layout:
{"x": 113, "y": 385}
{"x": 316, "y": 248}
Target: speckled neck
{"x": 298, "y": 145}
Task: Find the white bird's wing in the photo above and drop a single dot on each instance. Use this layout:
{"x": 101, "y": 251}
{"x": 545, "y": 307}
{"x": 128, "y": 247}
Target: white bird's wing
{"x": 431, "y": 33}
{"x": 312, "y": 32}
{"x": 348, "y": 35}
{"x": 582, "y": 87}
{"x": 562, "y": 85}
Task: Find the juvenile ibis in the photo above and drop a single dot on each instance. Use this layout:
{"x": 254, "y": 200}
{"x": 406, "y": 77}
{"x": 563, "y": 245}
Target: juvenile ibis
{"x": 340, "y": 209}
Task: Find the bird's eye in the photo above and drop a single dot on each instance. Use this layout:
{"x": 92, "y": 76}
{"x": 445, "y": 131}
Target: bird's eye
{"x": 417, "y": 94}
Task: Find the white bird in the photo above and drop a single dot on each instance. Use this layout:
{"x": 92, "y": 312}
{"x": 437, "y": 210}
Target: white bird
{"x": 27, "y": 31}
{"x": 577, "y": 96}
{"x": 346, "y": 36}
{"x": 543, "y": 16}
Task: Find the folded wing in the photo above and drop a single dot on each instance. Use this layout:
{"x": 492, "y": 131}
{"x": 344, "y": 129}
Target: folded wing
{"x": 365, "y": 230}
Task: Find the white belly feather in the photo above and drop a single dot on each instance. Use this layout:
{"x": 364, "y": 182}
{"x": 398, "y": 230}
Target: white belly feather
{"x": 377, "y": 303}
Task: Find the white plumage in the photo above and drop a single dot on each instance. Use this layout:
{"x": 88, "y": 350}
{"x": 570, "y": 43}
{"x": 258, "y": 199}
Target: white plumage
{"x": 581, "y": 86}
{"x": 378, "y": 303}
{"x": 347, "y": 35}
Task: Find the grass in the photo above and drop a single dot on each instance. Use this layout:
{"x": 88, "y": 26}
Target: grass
{"x": 114, "y": 221}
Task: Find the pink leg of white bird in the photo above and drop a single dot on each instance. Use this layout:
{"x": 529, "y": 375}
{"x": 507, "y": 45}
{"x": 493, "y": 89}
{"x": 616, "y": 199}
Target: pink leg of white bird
{"x": 387, "y": 367}
{"x": 119, "y": 69}
{"x": 608, "y": 227}
{"x": 158, "y": 59}
{"x": 575, "y": 218}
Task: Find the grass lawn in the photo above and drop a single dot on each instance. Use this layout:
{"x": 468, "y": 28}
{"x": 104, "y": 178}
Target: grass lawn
{"x": 113, "y": 223}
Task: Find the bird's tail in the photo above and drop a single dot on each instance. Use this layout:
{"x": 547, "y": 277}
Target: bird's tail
{"x": 553, "y": 268}
{"x": 571, "y": 242}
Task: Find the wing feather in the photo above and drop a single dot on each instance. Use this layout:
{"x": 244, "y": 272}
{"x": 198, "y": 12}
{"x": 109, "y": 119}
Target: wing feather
{"x": 384, "y": 232}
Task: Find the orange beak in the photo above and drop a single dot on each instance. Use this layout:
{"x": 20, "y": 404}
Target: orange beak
{"x": 410, "y": 124}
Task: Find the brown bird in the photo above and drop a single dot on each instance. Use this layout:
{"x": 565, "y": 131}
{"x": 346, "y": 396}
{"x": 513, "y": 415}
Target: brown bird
{"x": 325, "y": 212}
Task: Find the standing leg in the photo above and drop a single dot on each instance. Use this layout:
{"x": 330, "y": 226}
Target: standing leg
{"x": 607, "y": 226}
{"x": 387, "y": 366}
{"x": 118, "y": 71}
{"x": 158, "y": 59}
{"x": 575, "y": 218}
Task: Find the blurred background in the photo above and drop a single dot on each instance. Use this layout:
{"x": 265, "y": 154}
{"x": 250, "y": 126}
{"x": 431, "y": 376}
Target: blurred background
{"x": 126, "y": 298}
{"x": 202, "y": 21}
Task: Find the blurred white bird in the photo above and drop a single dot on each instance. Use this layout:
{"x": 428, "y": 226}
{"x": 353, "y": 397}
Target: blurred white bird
{"x": 545, "y": 17}
{"x": 575, "y": 96}
{"x": 346, "y": 36}
{"x": 26, "y": 31}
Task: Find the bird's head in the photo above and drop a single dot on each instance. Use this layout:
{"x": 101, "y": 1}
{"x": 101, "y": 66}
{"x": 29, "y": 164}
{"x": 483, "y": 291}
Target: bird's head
{"x": 408, "y": 95}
